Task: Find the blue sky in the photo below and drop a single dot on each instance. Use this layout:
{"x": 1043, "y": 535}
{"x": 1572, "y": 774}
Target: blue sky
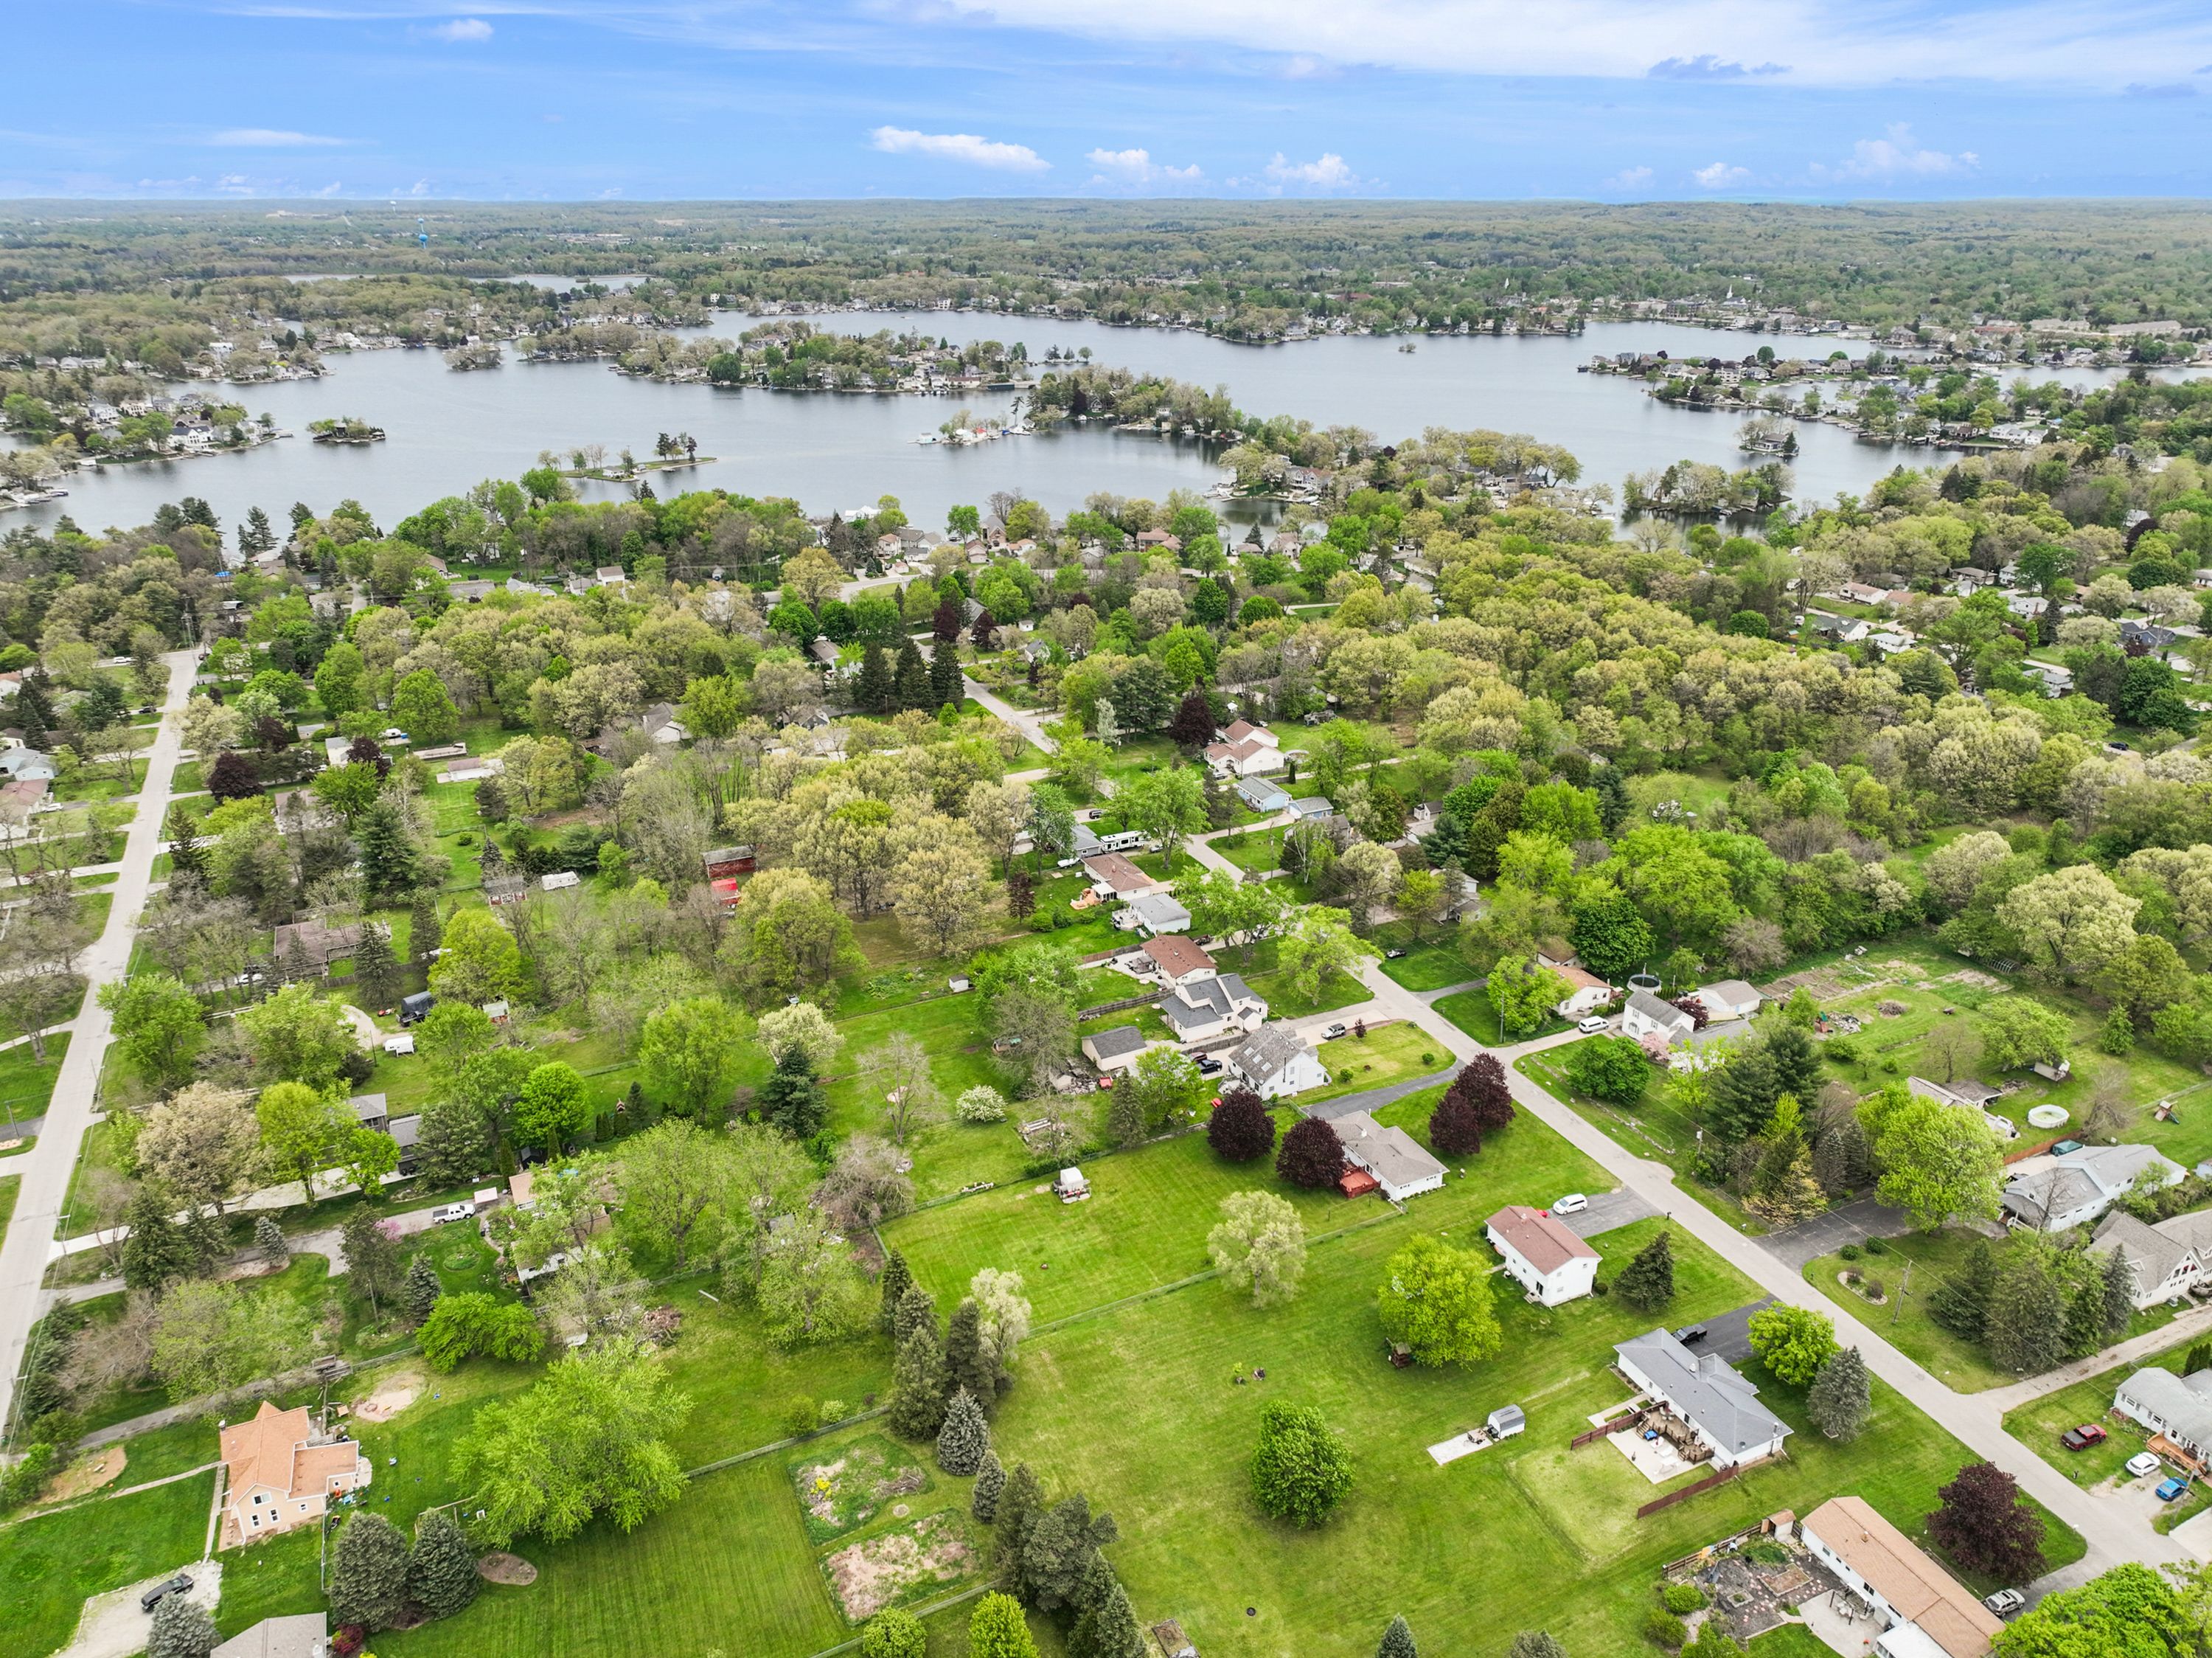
{"x": 641, "y": 99}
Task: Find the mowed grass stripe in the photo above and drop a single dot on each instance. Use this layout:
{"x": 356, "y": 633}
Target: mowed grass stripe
{"x": 728, "y": 1568}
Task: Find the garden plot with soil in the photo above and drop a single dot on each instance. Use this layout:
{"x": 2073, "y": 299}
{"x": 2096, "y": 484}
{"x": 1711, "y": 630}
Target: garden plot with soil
{"x": 912, "y": 1562}
{"x": 843, "y": 1490}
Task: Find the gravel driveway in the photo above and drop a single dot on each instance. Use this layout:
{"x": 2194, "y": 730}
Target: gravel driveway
{"x": 113, "y": 1627}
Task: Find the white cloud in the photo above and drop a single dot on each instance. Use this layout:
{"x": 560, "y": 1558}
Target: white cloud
{"x": 1630, "y": 178}
{"x": 1137, "y": 167}
{"x": 1824, "y": 42}
{"x": 330, "y": 189}
{"x": 959, "y": 147}
{"x": 462, "y": 29}
{"x": 1898, "y": 155}
{"x": 1721, "y": 176}
{"x": 1328, "y": 173}
{"x": 268, "y": 137}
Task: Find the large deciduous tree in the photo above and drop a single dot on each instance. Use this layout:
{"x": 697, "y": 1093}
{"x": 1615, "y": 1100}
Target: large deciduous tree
{"x": 1793, "y": 1342}
{"x": 1259, "y": 1247}
{"x": 1435, "y": 1300}
{"x": 158, "y": 1025}
{"x": 1311, "y": 1156}
{"x": 1300, "y": 1469}
{"x": 1240, "y": 1130}
{"x": 1987, "y": 1526}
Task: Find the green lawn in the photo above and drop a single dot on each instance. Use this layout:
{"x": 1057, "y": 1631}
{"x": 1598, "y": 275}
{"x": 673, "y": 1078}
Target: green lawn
{"x": 2038, "y": 1423}
{"x": 9, "y": 1185}
{"x": 27, "y": 1084}
{"x": 1470, "y": 1010}
{"x": 49, "y": 1564}
{"x": 1428, "y": 965}
{"x": 1388, "y": 1054}
{"x": 1904, "y": 1320}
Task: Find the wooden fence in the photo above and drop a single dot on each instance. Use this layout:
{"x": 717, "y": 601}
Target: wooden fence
{"x": 1704, "y": 1485}
{"x": 1603, "y": 1429}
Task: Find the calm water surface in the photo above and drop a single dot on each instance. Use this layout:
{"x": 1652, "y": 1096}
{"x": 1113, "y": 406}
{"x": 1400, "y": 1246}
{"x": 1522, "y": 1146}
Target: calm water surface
{"x": 448, "y": 430}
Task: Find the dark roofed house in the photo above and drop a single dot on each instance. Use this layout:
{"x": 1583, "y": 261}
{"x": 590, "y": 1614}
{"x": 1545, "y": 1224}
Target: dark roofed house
{"x": 370, "y": 1109}
{"x": 1720, "y": 1408}
{"x": 1275, "y": 1062}
{"x": 1213, "y": 1007}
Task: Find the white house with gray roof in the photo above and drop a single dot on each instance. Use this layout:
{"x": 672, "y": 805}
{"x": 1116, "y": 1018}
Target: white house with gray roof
{"x": 2164, "y": 1260}
{"x": 1206, "y": 1009}
{"x": 1718, "y": 1406}
{"x": 1114, "y": 1051}
{"x": 2180, "y": 1407}
{"x": 2054, "y": 1191}
{"x": 1731, "y": 998}
{"x": 1393, "y": 1156}
{"x": 1645, "y": 1014}
{"x": 1276, "y": 1063}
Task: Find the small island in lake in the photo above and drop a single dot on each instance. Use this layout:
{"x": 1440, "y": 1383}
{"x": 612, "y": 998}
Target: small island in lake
{"x": 346, "y": 429}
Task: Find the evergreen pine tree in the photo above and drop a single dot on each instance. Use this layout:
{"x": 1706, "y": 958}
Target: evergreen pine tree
{"x": 375, "y": 969}
{"x": 1841, "y": 1398}
{"x": 2026, "y": 1329}
{"x": 965, "y": 1439}
{"x": 158, "y": 1251}
{"x": 391, "y": 862}
{"x": 1796, "y": 1062}
{"x": 1841, "y": 1159}
{"x": 917, "y": 1405}
{"x": 425, "y": 931}
{"x": 182, "y": 1629}
{"x": 1398, "y": 1640}
{"x": 791, "y": 1098}
{"x": 1961, "y": 1302}
{"x": 1058, "y": 1551}
{"x": 874, "y": 691}
{"x": 369, "y": 1572}
{"x": 1106, "y": 1625}
{"x": 916, "y": 1307}
{"x": 1613, "y": 805}
{"x": 1020, "y": 1506}
{"x": 990, "y": 1481}
{"x": 441, "y": 1573}
{"x": 180, "y": 828}
{"x": 944, "y": 675}
{"x": 258, "y": 536}
{"x": 421, "y": 1289}
{"x": 967, "y": 1362}
{"x": 2120, "y": 1296}
{"x": 1647, "y": 1282}
{"x": 268, "y": 1239}
{"x": 892, "y": 1283}
{"x": 911, "y": 681}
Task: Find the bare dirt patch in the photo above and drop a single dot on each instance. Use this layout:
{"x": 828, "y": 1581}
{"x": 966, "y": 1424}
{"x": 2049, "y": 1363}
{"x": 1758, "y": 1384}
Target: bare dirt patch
{"x": 868, "y": 1576}
{"x": 85, "y": 1475}
{"x": 238, "y": 1270}
{"x": 511, "y": 1570}
{"x": 1973, "y": 978}
{"x": 393, "y": 1394}
{"x": 849, "y": 1490}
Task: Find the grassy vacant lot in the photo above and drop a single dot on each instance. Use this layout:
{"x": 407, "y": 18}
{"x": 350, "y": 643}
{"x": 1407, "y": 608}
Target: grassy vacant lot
{"x": 1429, "y": 965}
{"x": 1387, "y": 1054}
{"x": 49, "y": 1565}
{"x": 1470, "y": 1011}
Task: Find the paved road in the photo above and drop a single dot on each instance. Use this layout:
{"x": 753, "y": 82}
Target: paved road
{"x": 2113, "y": 1532}
{"x": 24, "y": 1253}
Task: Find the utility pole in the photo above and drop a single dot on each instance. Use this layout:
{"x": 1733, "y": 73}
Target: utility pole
{"x": 1903, "y": 1286}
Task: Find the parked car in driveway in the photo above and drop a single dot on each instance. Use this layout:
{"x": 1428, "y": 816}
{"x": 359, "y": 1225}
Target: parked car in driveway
{"x": 2006, "y": 1602}
{"x": 1573, "y": 1203}
{"x": 1391, "y": 955}
{"x": 1332, "y": 1032}
{"x": 1591, "y": 1024}
{"x": 179, "y": 1584}
{"x": 2081, "y": 1438}
{"x": 2171, "y": 1488}
{"x": 445, "y": 1213}
{"x": 2143, "y": 1462}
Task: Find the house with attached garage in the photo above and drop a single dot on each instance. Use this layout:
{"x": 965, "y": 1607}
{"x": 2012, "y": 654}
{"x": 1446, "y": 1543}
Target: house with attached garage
{"x": 1154, "y": 912}
{"x": 1919, "y": 1609}
{"x": 1586, "y": 992}
{"x": 1721, "y": 1410}
{"x": 1276, "y": 1063}
{"x": 1113, "y": 876}
{"x": 2055, "y": 1192}
{"x": 1392, "y": 1158}
{"x": 283, "y": 1471}
{"x": 1244, "y": 750}
{"x": 1542, "y": 1253}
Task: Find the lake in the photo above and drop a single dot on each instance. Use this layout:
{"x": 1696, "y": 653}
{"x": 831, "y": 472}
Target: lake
{"x": 837, "y": 452}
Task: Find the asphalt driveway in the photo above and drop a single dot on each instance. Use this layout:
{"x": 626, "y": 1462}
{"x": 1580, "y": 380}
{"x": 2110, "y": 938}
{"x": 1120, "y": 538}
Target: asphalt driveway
{"x": 1824, "y": 1234}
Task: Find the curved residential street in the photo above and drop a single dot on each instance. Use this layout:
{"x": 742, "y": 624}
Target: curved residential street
{"x": 25, "y": 1251}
